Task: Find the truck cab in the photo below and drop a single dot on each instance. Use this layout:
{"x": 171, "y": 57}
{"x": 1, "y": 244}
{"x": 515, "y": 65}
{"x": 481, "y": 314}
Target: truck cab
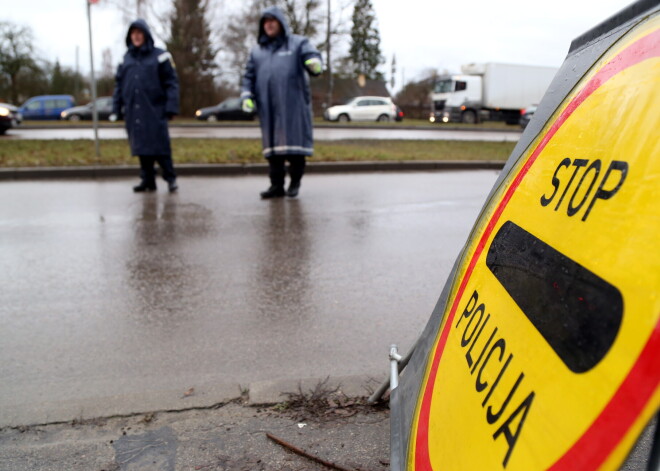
{"x": 456, "y": 98}
{"x": 489, "y": 92}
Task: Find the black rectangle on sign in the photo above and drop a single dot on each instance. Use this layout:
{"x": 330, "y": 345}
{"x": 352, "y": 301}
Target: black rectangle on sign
{"x": 577, "y": 312}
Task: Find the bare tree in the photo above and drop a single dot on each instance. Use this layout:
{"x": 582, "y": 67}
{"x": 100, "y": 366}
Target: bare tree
{"x": 304, "y": 16}
{"x": 154, "y": 12}
{"x": 414, "y": 97}
{"x": 239, "y": 37}
{"x": 107, "y": 67}
{"x": 336, "y": 31}
{"x": 16, "y": 55}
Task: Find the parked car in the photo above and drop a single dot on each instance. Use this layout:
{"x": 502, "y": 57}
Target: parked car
{"x": 230, "y": 109}
{"x": 46, "y": 106}
{"x": 9, "y": 117}
{"x": 526, "y": 115}
{"x": 363, "y": 108}
{"x": 84, "y": 112}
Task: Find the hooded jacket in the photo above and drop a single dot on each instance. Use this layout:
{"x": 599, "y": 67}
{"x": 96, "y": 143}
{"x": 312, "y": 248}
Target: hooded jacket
{"x": 276, "y": 78}
{"x": 146, "y": 93}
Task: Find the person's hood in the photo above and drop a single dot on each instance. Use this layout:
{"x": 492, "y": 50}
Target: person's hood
{"x": 148, "y": 39}
{"x": 279, "y": 15}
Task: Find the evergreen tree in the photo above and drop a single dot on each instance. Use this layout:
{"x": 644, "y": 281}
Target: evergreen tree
{"x": 365, "y": 53}
{"x": 194, "y": 55}
{"x": 58, "y": 80}
{"x": 63, "y": 80}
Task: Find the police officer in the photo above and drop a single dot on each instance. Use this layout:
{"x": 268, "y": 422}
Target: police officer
{"x": 147, "y": 96}
{"x": 276, "y": 81}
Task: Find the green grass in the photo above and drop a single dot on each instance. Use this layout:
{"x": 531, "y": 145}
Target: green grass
{"x": 317, "y": 121}
{"x": 63, "y": 153}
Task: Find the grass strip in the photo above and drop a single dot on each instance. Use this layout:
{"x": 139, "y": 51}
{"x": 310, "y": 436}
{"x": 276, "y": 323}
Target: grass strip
{"x": 65, "y": 153}
{"x": 406, "y": 123}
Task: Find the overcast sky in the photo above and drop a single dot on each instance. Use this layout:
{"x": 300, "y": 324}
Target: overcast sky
{"x": 423, "y": 34}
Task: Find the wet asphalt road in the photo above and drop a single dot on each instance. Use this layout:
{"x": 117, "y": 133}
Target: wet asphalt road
{"x": 106, "y": 292}
{"x": 320, "y": 133}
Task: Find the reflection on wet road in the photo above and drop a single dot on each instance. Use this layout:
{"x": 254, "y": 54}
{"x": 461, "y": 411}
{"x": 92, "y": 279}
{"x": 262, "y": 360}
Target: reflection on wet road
{"x": 112, "y": 293}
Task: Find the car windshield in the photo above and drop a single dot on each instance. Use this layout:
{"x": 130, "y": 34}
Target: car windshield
{"x": 230, "y": 103}
{"x": 99, "y": 103}
{"x": 350, "y": 101}
{"x": 444, "y": 86}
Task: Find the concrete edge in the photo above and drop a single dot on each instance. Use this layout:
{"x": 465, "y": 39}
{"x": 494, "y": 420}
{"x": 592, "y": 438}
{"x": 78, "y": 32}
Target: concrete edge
{"x": 91, "y": 172}
{"x": 204, "y": 396}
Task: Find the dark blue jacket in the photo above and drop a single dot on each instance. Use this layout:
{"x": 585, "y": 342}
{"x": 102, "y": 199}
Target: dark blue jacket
{"x": 276, "y": 78}
{"x": 146, "y": 93}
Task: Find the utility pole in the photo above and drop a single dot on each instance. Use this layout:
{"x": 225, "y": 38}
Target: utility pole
{"x": 76, "y": 87}
{"x": 95, "y": 114}
{"x": 393, "y": 72}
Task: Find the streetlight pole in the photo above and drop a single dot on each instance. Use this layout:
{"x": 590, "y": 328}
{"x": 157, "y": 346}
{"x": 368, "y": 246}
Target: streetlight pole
{"x": 95, "y": 115}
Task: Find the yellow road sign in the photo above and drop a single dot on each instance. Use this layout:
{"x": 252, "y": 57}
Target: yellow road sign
{"x": 548, "y": 356}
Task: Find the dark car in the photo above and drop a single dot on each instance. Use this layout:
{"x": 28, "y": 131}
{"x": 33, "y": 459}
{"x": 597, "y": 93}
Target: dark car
{"x": 230, "y": 109}
{"x": 526, "y": 115}
{"x": 77, "y": 113}
{"x": 9, "y": 117}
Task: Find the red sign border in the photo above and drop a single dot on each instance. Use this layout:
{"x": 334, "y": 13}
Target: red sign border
{"x": 636, "y": 390}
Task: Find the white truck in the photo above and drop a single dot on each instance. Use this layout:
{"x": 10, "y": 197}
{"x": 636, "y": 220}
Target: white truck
{"x": 489, "y": 92}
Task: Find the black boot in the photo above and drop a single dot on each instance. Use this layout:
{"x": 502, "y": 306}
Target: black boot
{"x": 293, "y": 190}
{"x": 172, "y": 186}
{"x": 143, "y": 187}
{"x": 273, "y": 192}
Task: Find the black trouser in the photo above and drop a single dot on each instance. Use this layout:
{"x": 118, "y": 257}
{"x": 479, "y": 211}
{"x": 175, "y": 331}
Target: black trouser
{"x": 148, "y": 173}
{"x": 277, "y": 170}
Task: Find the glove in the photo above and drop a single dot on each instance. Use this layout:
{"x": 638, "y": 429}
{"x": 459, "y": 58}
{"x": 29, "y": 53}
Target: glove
{"x": 314, "y": 66}
{"x": 170, "y": 116}
{"x": 248, "y": 105}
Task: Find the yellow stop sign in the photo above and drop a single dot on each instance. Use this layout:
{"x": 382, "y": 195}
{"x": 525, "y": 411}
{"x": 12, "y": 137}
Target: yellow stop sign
{"x": 548, "y": 356}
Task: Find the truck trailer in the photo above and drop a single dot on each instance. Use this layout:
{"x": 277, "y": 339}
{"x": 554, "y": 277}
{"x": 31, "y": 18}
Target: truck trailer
{"x": 489, "y": 92}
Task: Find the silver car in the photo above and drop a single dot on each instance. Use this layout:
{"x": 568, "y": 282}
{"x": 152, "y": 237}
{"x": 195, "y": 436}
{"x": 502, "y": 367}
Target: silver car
{"x": 363, "y": 108}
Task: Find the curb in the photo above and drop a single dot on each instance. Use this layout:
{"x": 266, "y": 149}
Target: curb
{"x": 204, "y": 396}
{"x": 92, "y": 172}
